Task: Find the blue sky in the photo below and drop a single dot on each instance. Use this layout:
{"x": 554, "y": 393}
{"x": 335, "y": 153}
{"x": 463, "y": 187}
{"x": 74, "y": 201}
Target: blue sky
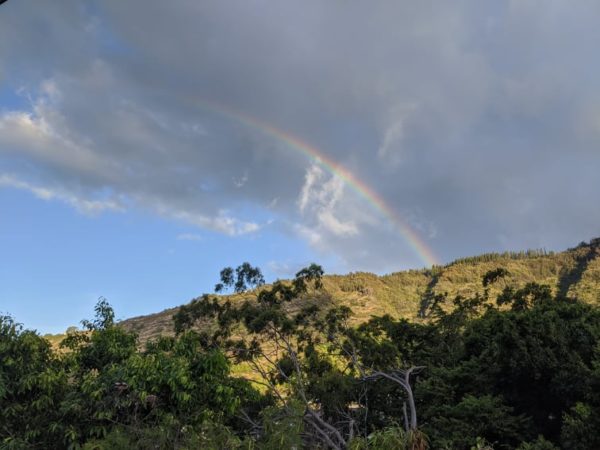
{"x": 59, "y": 262}
{"x": 477, "y": 124}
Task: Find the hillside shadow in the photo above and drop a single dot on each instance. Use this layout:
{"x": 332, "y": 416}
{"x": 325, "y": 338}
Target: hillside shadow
{"x": 570, "y": 278}
{"x": 428, "y": 296}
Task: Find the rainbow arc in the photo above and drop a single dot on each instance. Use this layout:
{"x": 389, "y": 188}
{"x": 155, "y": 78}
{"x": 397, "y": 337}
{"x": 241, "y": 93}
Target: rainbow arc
{"x": 419, "y": 246}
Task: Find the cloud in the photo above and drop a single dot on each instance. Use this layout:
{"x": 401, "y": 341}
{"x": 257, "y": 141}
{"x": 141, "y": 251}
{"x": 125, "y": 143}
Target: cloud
{"x": 82, "y": 168}
{"x": 313, "y": 174}
{"x": 394, "y": 133}
{"x": 281, "y": 269}
{"x": 309, "y": 234}
{"x": 472, "y": 121}
{"x": 223, "y": 222}
{"x": 83, "y": 205}
{"x": 319, "y": 199}
{"x": 240, "y": 182}
{"x": 189, "y": 237}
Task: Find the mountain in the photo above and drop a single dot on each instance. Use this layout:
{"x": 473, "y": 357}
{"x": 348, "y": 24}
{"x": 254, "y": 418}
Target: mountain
{"x": 573, "y": 273}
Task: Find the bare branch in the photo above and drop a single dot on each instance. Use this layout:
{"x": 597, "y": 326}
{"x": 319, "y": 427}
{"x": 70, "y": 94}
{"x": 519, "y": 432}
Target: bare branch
{"x": 401, "y": 377}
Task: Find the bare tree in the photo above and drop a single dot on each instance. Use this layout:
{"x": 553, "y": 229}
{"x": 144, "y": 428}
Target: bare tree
{"x": 402, "y": 378}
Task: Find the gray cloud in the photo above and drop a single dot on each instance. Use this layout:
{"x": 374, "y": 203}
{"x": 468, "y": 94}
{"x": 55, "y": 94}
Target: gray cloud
{"x": 479, "y": 124}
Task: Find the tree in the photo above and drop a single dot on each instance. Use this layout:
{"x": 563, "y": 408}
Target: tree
{"x": 129, "y": 394}
{"x": 32, "y": 385}
{"x": 243, "y": 278}
{"x": 301, "y": 349}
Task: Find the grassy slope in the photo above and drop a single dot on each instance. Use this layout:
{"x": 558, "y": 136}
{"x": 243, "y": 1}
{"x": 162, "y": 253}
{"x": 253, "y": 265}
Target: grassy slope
{"x": 575, "y": 272}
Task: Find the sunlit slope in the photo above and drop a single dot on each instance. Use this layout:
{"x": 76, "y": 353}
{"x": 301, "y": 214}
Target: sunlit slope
{"x": 575, "y": 273}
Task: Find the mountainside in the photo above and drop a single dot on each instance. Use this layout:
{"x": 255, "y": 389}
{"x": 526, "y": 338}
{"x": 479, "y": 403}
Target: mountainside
{"x": 574, "y": 273}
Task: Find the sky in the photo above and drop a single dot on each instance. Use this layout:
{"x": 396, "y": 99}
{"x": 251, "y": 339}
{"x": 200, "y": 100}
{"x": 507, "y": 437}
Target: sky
{"x": 145, "y": 145}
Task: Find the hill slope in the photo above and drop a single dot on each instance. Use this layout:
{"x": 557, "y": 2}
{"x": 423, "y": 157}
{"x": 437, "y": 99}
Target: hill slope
{"x": 574, "y": 273}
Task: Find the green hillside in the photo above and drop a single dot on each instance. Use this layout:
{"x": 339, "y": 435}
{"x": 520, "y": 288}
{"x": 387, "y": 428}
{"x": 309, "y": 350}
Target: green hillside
{"x": 353, "y": 362}
{"x": 573, "y": 273}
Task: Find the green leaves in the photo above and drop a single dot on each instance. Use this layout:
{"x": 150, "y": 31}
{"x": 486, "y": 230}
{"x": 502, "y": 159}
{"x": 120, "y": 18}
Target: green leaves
{"x": 580, "y": 427}
{"x": 521, "y": 373}
{"x": 243, "y": 278}
{"x": 32, "y": 385}
{"x": 105, "y": 316}
{"x": 105, "y": 384}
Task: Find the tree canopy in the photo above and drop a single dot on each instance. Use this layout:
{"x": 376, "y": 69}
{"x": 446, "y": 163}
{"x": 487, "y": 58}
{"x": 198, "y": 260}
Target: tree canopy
{"x": 284, "y": 366}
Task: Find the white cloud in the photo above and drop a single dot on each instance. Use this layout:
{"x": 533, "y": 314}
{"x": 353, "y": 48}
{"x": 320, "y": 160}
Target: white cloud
{"x": 223, "y": 222}
{"x": 42, "y": 135}
{"x": 336, "y": 226}
{"x": 313, "y": 174}
{"x": 313, "y": 237}
{"x": 83, "y": 205}
{"x": 319, "y": 200}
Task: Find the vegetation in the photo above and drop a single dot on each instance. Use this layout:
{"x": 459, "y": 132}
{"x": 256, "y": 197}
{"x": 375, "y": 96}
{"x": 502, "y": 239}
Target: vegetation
{"x": 405, "y": 295}
{"x": 510, "y": 366}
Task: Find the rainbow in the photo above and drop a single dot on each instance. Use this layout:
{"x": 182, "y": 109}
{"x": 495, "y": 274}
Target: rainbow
{"x": 418, "y": 245}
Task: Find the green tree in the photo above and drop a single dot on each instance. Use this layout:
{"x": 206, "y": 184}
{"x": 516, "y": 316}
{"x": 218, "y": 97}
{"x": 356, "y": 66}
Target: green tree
{"x": 32, "y": 385}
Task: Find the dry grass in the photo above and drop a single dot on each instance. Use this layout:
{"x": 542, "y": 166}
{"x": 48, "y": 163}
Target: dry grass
{"x": 401, "y": 294}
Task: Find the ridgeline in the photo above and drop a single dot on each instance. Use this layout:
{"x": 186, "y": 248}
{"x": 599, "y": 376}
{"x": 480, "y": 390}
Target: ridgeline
{"x": 571, "y": 273}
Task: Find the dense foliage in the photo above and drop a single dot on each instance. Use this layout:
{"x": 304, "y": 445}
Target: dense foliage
{"x": 289, "y": 369}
